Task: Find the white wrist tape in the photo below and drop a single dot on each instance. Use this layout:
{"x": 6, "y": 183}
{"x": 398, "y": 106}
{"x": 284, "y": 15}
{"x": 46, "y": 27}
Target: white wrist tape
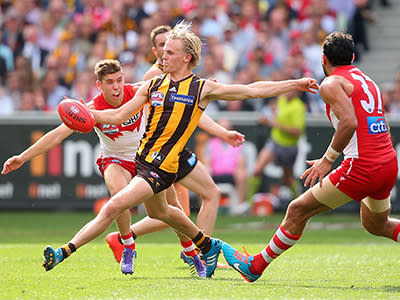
{"x": 331, "y": 154}
{"x": 329, "y": 159}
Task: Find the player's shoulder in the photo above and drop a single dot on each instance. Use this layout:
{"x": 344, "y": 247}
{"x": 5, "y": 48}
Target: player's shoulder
{"x": 152, "y": 72}
{"x": 333, "y": 82}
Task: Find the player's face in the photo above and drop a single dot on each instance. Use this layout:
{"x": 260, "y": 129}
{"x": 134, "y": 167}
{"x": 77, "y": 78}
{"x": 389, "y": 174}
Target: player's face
{"x": 159, "y": 45}
{"x": 112, "y": 87}
{"x": 174, "y": 56}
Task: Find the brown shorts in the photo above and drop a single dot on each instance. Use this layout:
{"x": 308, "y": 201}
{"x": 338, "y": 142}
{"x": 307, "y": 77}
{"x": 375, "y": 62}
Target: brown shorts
{"x": 187, "y": 162}
{"x": 158, "y": 179}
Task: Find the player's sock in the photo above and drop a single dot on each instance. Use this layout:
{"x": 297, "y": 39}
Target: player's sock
{"x": 188, "y": 248}
{"x": 68, "y": 249}
{"x": 128, "y": 241}
{"x": 203, "y": 242}
{"x": 280, "y": 242}
{"x": 133, "y": 235}
{"x": 396, "y": 233}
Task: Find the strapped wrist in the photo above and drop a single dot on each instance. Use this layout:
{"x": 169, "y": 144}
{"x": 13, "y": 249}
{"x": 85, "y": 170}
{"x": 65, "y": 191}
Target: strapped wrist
{"x": 331, "y": 154}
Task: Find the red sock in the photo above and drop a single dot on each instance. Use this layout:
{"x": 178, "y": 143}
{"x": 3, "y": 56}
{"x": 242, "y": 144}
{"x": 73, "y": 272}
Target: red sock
{"x": 280, "y": 242}
{"x": 396, "y": 232}
{"x": 258, "y": 265}
{"x": 128, "y": 241}
{"x": 188, "y": 248}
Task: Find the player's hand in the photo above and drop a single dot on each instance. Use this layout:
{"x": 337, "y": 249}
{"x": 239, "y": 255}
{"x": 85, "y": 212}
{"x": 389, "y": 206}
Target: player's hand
{"x": 12, "y": 164}
{"x": 89, "y": 105}
{"x": 319, "y": 168}
{"x": 308, "y": 85}
{"x": 234, "y": 138}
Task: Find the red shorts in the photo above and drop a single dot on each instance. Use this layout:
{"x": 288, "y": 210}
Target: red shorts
{"x": 104, "y": 162}
{"x": 360, "y": 179}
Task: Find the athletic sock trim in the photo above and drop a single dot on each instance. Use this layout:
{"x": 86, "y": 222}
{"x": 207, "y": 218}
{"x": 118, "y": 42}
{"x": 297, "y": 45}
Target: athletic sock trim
{"x": 396, "y": 233}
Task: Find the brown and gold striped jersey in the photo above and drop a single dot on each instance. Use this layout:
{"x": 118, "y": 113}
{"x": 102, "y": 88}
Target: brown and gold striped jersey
{"x": 174, "y": 115}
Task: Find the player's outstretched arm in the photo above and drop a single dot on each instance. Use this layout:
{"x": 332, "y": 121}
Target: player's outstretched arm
{"x": 119, "y": 115}
{"x": 259, "y": 89}
{"x": 232, "y": 137}
{"x": 44, "y": 144}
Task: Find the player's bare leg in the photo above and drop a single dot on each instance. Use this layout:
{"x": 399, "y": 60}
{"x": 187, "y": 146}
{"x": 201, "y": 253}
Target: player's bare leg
{"x": 116, "y": 178}
{"x": 200, "y": 182}
{"x": 158, "y": 208}
{"x": 121, "y": 201}
{"x": 375, "y": 218}
{"x": 297, "y": 215}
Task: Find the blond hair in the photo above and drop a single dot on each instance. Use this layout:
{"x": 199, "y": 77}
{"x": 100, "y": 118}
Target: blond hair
{"x": 192, "y": 43}
{"x": 105, "y": 67}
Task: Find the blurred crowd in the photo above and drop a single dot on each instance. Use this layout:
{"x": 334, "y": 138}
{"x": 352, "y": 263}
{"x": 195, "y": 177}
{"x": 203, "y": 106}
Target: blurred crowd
{"x": 49, "y": 48}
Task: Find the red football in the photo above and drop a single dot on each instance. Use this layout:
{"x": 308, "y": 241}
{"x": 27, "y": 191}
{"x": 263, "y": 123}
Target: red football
{"x": 76, "y": 115}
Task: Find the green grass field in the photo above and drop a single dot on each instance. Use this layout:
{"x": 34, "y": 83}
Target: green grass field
{"x": 335, "y": 259}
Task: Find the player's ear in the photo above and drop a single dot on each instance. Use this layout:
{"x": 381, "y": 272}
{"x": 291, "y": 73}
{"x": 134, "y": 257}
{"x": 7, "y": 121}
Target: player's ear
{"x": 98, "y": 84}
{"x": 154, "y": 50}
{"x": 187, "y": 58}
{"x": 324, "y": 59}
{"x": 352, "y": 58}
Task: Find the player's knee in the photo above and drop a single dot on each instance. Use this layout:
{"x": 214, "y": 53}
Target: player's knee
{"x": 212, "y": 193}
{"x": 295, "y": 211}
{"x": 110, "y": 210}
{"x": 160, "y": 213}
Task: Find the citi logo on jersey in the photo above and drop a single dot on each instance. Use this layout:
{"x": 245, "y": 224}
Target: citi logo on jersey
{"x": 376, "y": 125}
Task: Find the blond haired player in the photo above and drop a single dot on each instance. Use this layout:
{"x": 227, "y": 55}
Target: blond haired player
{"x": 192, "y": 175}
{"x": 119, "y": 144}
{"x": 177, "y": 100}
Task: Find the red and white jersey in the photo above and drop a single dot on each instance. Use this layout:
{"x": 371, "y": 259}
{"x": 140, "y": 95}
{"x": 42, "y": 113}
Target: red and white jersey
{"x": 370, "y": 141}
{"x": 120, "y": 141}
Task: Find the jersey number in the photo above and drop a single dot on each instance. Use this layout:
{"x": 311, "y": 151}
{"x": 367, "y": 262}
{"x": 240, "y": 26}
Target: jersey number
{"x": 369, "y": 105}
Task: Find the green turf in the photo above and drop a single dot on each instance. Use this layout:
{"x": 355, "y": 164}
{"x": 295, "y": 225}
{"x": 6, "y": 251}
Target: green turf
{"x": 335, "y": 259}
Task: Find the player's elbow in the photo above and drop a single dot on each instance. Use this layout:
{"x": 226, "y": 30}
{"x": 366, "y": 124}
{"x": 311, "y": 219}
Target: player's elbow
{"x": 350, "y": 124}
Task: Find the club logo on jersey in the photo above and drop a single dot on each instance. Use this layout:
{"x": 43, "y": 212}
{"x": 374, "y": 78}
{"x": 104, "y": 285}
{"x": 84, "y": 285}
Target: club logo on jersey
{"x": 173, "y": 89}
{"x": 109, "y": 129}
{"x": 157, "y": 156}
{"x": 185, "y": 99}
{"x": 376, "y": 125}
{"x": 157, "y": 98}
{"x": 192, "y": 160}
{"x": 154, "y": 174}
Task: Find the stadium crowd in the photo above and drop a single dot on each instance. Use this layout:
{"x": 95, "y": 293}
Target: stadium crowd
{"x": 49, "y": 47}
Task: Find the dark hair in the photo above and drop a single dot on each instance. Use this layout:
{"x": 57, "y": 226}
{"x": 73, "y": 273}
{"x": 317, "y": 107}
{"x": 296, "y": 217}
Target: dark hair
{"x": 105, "y": 67}
{"x": 339, "y": 48}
